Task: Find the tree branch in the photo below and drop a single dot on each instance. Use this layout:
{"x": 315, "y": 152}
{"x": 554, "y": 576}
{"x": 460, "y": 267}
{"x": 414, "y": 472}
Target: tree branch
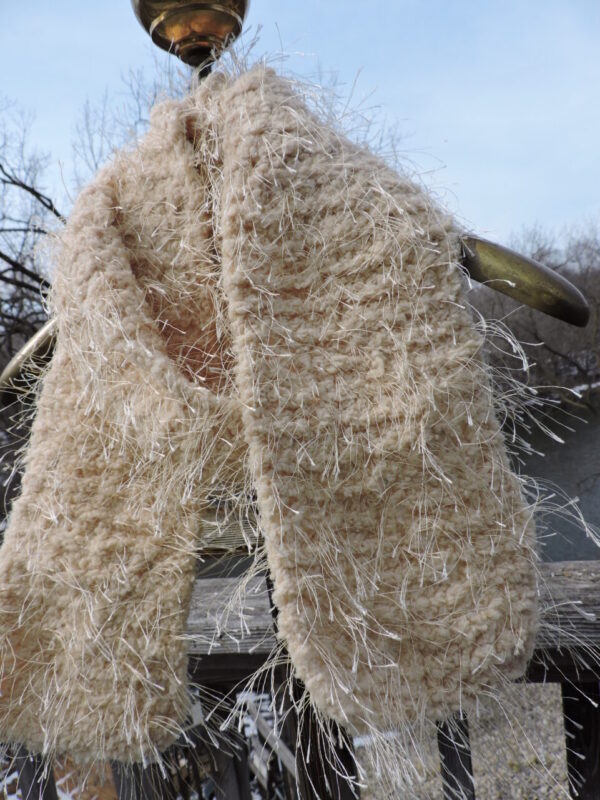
{"x": 19, "y": 284}
{"x": 26, "y": 229}
{"x": 20, "y": 268}
{"x": 10, "y": 179}
{"x": 585, "y": 373}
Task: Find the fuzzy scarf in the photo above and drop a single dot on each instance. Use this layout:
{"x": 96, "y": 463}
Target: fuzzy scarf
{"x": 253, "y": 310}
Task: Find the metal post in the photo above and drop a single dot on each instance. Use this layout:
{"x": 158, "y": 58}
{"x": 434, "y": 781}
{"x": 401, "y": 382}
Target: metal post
{"x": 581, "y": 711}
{"x": 455, "y": 759}
{"x": 36, "y": 777}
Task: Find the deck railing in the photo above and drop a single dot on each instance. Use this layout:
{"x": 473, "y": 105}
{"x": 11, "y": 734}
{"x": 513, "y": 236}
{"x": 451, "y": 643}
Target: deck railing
{"x": 221, "y": 656}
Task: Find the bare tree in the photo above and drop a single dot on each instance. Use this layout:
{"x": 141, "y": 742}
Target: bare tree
{"x": 28, "y": 213}
{"x": 119, "y": 120}
{"x": 27, "y": 210}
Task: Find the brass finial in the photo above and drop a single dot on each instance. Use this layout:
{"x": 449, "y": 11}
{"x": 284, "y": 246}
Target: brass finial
{"x": 194, "y": 31}
{"x": 524, "y": 280}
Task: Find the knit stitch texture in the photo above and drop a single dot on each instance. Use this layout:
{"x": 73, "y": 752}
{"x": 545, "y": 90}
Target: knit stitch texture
{"x": 252, "y": 307}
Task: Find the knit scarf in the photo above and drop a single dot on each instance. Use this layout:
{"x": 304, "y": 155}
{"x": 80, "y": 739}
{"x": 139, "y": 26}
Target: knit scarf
{"x": 253, "y": 309}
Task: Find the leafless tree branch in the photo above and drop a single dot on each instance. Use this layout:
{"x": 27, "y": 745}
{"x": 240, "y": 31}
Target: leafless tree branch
{"x": 11, "y": 179}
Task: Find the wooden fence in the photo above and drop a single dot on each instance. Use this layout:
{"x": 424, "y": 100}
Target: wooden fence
{"x": 221, "y": 657}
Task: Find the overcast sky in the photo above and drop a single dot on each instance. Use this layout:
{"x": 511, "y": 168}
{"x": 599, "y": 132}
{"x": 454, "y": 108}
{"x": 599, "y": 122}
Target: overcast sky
{"x": 497, "y": 102}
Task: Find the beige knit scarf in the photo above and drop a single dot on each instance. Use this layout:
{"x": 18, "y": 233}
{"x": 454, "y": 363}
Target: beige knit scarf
{"x": 253, "y": 308}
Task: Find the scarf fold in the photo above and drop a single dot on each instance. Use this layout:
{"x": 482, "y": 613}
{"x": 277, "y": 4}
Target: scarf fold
{"x": 252, "y": 308}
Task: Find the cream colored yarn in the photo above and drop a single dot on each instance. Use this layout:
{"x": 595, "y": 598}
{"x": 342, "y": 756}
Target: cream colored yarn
{"x": 249, "y": 303}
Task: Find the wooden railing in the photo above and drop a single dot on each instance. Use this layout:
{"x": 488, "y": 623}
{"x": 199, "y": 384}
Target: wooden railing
{"x": 221, "y": 656}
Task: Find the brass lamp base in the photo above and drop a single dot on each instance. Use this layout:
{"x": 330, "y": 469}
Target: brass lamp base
{"x": 196, "y": 32}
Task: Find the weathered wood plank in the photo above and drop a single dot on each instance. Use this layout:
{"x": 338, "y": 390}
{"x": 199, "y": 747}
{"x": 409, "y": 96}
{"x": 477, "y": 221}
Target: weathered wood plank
{"x": 276, "y": 744}
{"x": 230, "y": 615}
{"x": 223, "y": 531}
{"x": 571, "y": 592}
{"x": 224, "y": 619}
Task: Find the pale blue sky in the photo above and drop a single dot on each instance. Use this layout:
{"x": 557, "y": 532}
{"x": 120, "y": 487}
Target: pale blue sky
{"x": 497, "y": 102}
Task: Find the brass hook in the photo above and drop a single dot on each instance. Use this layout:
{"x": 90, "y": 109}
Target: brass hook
{"x": 524, "y": 280}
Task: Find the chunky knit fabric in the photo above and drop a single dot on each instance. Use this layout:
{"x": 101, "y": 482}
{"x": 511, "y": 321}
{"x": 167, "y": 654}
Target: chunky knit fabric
{"x": 253, "y": 308}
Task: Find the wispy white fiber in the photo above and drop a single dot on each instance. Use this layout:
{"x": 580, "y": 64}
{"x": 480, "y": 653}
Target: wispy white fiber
{"x": 257, "y": 314}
